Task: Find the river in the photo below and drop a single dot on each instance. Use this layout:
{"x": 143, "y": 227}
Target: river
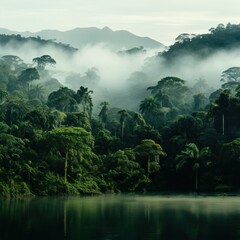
{"x": 126, "y": 217}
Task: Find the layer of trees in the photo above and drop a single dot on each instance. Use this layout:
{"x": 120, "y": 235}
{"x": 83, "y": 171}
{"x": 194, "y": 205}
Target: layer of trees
{"x": 222, "y": 38}
{"x": 16, "y": 41}
{"x": 54, "y": 143}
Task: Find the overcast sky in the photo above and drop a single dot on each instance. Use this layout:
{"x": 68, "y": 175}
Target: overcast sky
{"x": 162, "y": 20}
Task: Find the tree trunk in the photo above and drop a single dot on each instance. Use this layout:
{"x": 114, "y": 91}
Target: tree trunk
{"x": 223, "y": 125}
{"x": 196, "y": 181}
{"x": 10, "y": 116}
{"x": 29, "y": 177}
{"x": 65, "y": 167}
{"x": 148, "y": 166}
{"x": 122, "y": 130}
{"x": 29, "y": 87}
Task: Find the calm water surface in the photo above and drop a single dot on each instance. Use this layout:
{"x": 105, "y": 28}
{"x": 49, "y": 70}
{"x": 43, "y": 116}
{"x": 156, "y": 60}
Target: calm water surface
{"x": 121, "y": 217}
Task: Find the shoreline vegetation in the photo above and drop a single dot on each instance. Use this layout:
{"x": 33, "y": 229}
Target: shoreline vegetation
{"x": 28, "y": 195}
{"x": 55, "y": 140}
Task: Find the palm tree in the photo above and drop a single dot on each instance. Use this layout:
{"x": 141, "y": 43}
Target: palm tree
{"x": 194, "y": 157}
{"x": 149, "y": 108}
{"x": 37, "y": 91}
{"x": 149, "y": 105}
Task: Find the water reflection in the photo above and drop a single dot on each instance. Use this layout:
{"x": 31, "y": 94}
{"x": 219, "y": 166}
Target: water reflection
{"x": 121, "y": 217}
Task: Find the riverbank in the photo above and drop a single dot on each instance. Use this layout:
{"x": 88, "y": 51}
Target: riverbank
{"x": 22, "y": 190}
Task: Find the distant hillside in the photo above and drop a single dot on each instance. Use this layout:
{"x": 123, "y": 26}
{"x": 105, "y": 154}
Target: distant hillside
{"x": 15, "y": 41}
{"x": 80, "y": 37}
{"x": 219, "y": 38}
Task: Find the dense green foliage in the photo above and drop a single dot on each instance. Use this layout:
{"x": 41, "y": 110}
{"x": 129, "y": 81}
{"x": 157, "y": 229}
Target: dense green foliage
{"x": 219, "y": 38}
{"x": 17, "y": 40}
{"x": 53, "y": 141}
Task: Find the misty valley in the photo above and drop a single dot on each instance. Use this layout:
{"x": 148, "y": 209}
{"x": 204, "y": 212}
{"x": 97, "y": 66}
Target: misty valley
{"x": 89, "y": 119}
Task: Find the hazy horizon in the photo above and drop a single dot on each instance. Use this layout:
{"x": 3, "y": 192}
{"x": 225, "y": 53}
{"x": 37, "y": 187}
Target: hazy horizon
{"x": 162, "y": 21}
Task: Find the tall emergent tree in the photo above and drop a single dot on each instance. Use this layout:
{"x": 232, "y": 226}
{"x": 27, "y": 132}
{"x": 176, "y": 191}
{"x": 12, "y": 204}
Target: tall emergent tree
{"x": 63, "y": 99}
{"x": 149, "y": 152}
{"x": 43, "y": 61}
{"x": 70, "y": 142}
{"x": 170, "y": 91}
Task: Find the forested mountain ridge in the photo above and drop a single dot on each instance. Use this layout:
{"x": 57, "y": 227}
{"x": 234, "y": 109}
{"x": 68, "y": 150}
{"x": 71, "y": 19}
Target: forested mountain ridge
{"x": 82, "y": 37}
{"x": 17, "y": 41}
{"x": 221, "y": 38}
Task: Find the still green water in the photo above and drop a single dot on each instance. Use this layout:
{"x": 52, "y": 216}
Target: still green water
{"x": 121, "y": 217}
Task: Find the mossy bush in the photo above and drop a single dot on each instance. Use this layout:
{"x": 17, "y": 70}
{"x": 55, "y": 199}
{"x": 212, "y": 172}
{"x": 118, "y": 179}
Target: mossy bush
{"x": 52, "y": 184}
{"x": 87, "y": 185}
{"x": 16, "y": 189}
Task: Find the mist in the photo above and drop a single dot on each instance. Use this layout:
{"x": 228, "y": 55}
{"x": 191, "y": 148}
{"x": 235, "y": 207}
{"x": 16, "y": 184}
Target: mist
{"x": 122, "y": 79}
{"x": 192, "y": 68}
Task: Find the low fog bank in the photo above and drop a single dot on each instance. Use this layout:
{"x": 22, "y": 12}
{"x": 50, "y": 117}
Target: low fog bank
{"x": 192, "y": 68}
{"x": 122, "y": 79}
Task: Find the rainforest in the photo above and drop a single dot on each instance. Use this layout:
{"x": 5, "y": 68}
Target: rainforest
{"x": 167, "y": 121}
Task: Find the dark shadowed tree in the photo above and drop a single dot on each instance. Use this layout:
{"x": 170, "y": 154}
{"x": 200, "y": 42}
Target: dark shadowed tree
{"x": 43, "y": 61}
{"x": 11, "y": 152}
{"x": 123, "y": 115}
{"x": 37, "y": 92}
{"x": 230, "y": 161}
{"x": 199, "y": 101}
{"x": 194, "y": 158}
{"x": 149, "y": 108}
{"x": 84, "y": 98}
{"x": 231, "y": 75}
{"x": 63, "y": 99}
{"x": 123, "y": 172}
{"x": 27, "y": 76}
{"x": 174, "y": 88}
{"x": 104, "y": 111}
